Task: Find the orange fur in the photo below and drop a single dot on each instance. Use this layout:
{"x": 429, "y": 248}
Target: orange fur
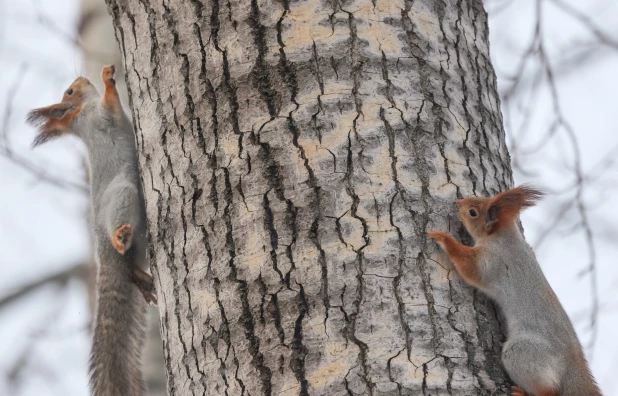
{"x": 546, "y": 392}
{"x": 110, "y": 97}
{"x": 39, "y": 116}
{"x": 463, "y": 257}
{"x": 52, "y": 121}
{"x": 515, "y": 391}
{"x": 122, "y": 238}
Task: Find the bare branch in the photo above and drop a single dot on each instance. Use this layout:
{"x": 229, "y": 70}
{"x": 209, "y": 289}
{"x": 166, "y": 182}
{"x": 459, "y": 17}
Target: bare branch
{"x": 40, "y": 173}
{"x": 76, "y": 271}
{"x": 8, "y": 108}
{"x": 586, "y": 21}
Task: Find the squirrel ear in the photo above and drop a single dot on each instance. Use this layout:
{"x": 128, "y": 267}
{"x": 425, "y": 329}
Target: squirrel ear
{"x": 59, "y": 111}
{"x": 51, "y": 121}
{"x": 39, "y": 116}
{"x": 491, "y": 218}
{"x": 492, "y": 214}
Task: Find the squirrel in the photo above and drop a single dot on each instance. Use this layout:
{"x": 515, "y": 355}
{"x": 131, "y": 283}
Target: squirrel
{"x": 542, "y": 353}
{"x": 119, "y": 228}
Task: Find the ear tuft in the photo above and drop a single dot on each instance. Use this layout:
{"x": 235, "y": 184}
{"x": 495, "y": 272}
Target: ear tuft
{"x": 46, "y": 135}
{"x": 36, "y": 117}
{"x": 505, "y": 207}
{"x": 520, "y": 197}
{"x": 51, "y": 121}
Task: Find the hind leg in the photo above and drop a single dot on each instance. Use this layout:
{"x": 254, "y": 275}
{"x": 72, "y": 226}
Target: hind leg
{"x": 145, "y": 284}
{"x": 532, "y": 365}
{"x": 121, "y": 214}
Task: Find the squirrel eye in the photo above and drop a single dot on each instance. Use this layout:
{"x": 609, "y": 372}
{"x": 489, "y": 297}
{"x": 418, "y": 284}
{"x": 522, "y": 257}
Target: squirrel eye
{"x": 472, "y": 212}
{"x": 70, "y": 91}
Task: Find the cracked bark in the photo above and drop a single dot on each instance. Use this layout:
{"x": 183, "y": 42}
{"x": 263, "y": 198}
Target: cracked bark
{"x": 293, "y": 156}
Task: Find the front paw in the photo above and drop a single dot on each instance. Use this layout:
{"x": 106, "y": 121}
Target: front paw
{"x": 108, "y": 73}
{"x": 438, "y": 236}
{"x": 122, "y": 238}
{"x": 515, "y": 391}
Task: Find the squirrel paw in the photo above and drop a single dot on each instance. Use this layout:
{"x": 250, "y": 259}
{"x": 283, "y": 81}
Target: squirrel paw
{"x": 149, "y": 296}
{"x": 122, "y": 238}
{"x": 515, "y": 391}
{"x": 437, "y": 236}
{"x": 108, "y": 73}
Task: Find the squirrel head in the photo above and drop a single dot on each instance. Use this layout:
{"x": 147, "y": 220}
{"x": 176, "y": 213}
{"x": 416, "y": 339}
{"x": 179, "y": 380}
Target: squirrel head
{"x": 63, "y": 118}
{"x": 485, "y": 216}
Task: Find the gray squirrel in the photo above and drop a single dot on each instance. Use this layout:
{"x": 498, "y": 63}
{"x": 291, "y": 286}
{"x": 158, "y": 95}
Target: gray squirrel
{"x": 542, "y": 354}
{"x": 119, "y": 228}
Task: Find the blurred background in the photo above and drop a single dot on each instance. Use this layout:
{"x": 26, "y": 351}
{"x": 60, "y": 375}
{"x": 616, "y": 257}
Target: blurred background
{"x": 557, "y": 67}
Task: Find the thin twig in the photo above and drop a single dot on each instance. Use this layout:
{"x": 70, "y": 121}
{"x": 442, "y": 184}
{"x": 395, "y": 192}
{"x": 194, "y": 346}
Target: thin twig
{"x": 75, "y": 271}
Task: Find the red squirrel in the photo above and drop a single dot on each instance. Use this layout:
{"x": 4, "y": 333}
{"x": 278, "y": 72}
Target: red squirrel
{"x": 542, "y": 354}
{"x": 119, "y": 228}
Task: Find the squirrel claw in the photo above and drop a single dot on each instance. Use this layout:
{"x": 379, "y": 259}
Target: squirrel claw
{"x": 108, "y": 73}
{"x": 434, "y": 234}
{"x": 437, "y": 236}
{"x": 150, "y": 297}
{"x": 145, "y": 284}
{"x": 122, "y": 238}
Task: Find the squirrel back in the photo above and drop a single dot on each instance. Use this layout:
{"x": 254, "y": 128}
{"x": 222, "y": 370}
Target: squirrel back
{"x": 119, "y": 227}
{"x": 542, "y": 353}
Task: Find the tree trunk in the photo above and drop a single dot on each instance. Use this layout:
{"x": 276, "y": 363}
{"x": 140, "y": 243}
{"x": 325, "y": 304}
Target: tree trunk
{"x": 293, "y": 155}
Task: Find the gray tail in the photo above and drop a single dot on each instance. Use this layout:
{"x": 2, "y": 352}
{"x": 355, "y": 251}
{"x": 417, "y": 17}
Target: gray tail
{"x": 115, "y": 360}
{"x": 584, "y": 385}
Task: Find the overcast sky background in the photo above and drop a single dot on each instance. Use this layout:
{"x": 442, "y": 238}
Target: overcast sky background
{"x": 43, "y": 228}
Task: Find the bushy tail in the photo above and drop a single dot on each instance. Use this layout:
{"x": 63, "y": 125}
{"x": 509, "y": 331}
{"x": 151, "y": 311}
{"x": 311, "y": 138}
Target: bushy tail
{"x": 115, "y": 360}
{"x": 578, "y": 379}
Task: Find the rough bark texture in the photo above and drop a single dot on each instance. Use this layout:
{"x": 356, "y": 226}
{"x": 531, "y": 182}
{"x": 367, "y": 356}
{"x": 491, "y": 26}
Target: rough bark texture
{"x": 294, "y": 153}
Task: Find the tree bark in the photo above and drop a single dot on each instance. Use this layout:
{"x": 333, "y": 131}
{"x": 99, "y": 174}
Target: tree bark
{"x": 293, "y": 156}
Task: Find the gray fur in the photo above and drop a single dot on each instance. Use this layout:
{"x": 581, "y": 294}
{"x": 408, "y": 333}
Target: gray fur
{"x": 542, "y": 346}
{"x": 117, "y": 199}
{"x": 115, "y": 364}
